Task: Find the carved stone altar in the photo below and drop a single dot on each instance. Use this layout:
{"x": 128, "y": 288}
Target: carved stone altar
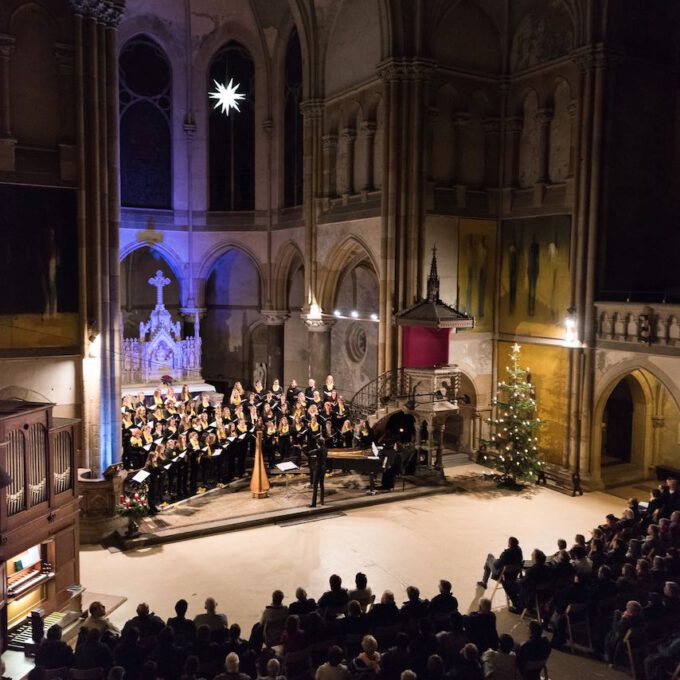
{"x": 160, "y": 350}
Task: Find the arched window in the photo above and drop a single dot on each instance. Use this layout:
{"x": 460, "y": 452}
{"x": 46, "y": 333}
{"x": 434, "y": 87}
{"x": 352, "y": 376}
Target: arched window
{"x": 232, "y": 137}
{"x": 145, "y": 125}
{"x": 292, "y": 156}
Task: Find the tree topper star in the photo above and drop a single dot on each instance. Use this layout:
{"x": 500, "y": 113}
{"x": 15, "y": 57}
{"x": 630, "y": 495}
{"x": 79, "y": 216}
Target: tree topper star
{"x": 227, "y": 97}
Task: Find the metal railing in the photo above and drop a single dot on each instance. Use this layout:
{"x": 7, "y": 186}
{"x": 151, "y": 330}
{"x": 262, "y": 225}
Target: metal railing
{"x": 382, "y": 392}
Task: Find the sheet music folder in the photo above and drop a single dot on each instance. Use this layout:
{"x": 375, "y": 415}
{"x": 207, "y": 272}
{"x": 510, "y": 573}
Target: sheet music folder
{"x": 287, "y": 466}
{"x": 141, "y": 476}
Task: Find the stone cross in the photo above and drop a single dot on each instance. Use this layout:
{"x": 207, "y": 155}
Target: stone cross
{"x": 160, "y": 282}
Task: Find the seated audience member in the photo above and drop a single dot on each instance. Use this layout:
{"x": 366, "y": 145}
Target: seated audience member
{"x": 129, "y": 654}
{"x": 493, "y": 567}
{"x": 355, "y": 624}
{"x": 335, "y": 600}
{"x": 661, "y": 664}
{"x": 480, "y": 627}
{"x": 367, "y": 663}
{"x": 148, "y": 671}
{"x": 444, "y": 602}
{"x": 523, "y": 591}
{"x": 272, "y": 671}
{"x": 97, "y": 619}
{"x": 206, "y": 650}
{"x": 533, "y": 653}
{"x": 435, "y": 668}
{"x": 116, "y": 673}
{"x": 577, "y": 593}
{"x": 190, "y": 670}
{"x": 52, "y": 651}
{"x": 235, "y": 642}
{"x": 470, "y": 667}
{"x": 501, "y": 664}
{"x": 631, "y": 619}
{"x": 333, "y": 669}
{"x": 580, "y": 561}
{"x": 422, "y": 646}
{"x": 93, "y": 653}
{"x": 396, "y": 659}
{"x": 561, "y": 545}
{"x": 185, "y": 629}
{"x": 383, "y": 613}
{"x": 302, "y": 605}
{"x": 231, "y": 669}
{"x": 167, "y": 655}
{"x": 211, "y": 618}
{"x": 146, "y": 622}
{"x": 408, "y": 675}
{"x": 362, "y": 593}
{"x": 414, "y": 608}
{"x": 273, "y": 619}
{"x": 293, "y": 638}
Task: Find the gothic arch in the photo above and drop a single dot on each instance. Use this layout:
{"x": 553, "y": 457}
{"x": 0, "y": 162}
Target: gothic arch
{"x": 171, "y": 258}
{"x": 288, "y": 255}
{"x": 346, "y": 255}
{"x": 211, "y": 258}
{"x": 643, "y": 379}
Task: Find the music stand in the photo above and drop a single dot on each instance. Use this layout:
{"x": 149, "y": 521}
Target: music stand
{"x": 287, "y": 468}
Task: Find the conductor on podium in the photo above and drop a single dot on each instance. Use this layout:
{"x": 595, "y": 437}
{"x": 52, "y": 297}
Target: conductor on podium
{"x": 319, "y": 472}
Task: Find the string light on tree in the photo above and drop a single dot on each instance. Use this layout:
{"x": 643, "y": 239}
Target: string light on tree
{"x": 515, "y": 428}
{"x": 227, "y": 97}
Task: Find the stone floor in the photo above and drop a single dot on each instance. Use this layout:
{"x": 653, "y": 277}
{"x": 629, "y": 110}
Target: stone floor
{"x": 417, "y": 541}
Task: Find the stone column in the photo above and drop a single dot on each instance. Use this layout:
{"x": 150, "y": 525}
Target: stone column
{"x": 329, "y": 149}
{"x": 513, "y": 128}
{"x": 312, "y": 112}
{"x": 432, "y": 117}
{"x": 7, "y": 142}
{"x": 544, "y": 118}
{"x": 67, "y": 150}
{"x": 319, "y": 347}
{"x": 460, "y": 122}
{"x": 492, "y": 129}
{"x": 275, "y": 320}
{"x": 349, "y": 135}
{"x": 368, "y": 128}
{"x": 572, "y": 110}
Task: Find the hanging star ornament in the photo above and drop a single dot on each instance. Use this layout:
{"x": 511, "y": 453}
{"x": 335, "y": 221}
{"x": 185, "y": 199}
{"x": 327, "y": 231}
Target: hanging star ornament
{"x": 227, "y": 97}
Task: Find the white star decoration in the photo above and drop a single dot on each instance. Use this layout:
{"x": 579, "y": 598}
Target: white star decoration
{"x": 227, "y": 97}
{"x": 516, "y": 348}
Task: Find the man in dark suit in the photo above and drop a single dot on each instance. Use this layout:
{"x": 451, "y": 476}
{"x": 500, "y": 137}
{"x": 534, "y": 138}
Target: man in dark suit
{"x": 493, "y": 567}
{"x": 320, "y": 463}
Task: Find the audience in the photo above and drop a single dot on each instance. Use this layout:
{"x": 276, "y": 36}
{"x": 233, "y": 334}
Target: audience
{"x": 625, "y": 578}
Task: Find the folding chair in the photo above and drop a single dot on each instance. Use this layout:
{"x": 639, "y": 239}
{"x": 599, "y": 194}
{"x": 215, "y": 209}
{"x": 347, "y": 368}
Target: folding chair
{"x": 508, "y": 572}
{"x": 578, "y": 619}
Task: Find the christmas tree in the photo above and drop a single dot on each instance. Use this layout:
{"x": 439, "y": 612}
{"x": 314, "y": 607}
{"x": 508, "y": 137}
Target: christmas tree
{"x": 514, "y": 430}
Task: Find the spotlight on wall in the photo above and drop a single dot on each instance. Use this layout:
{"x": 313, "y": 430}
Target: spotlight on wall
{"x": 336, "y": 312}
{"x": 374, "y": 317}
{"x": 354, "y": 314}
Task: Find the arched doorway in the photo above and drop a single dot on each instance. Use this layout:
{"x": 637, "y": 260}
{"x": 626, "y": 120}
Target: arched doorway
{"x": 617, "y": 423}
{"x": 137, "y": 296}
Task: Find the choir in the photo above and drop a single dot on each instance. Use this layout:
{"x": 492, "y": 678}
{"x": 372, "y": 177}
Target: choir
{"x": 188, "y": 444}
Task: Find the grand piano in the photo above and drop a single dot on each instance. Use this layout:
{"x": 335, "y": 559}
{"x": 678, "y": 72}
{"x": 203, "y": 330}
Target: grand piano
{"x": 363, "y": 462}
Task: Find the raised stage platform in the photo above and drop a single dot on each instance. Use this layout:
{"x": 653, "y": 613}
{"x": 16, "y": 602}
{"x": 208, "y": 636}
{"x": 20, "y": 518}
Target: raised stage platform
{"x": 234, "y": 509}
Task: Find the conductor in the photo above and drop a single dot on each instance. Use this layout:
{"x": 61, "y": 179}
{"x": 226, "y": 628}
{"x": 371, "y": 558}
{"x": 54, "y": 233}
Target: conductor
{"x": 319, "y": 472}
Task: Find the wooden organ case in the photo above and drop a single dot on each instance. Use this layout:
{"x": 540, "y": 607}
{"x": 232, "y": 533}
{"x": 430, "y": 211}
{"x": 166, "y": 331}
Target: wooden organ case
{"x": 39, "y": 566}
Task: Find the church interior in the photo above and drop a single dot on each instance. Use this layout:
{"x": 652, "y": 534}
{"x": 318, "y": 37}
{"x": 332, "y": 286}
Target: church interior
{"x": 259, "y": 251}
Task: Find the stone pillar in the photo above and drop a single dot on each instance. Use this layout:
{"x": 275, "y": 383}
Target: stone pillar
{"x": 275, "y": 320}
{"x": 572, "y": 110}
{"x": 432, "y": 117}
{"x": 67, "y": 151}
{"x": 513, "y": 128}
{"x": 329, "y": 149}
{"x": 349, "y": 135}
{"x": 368, "y": 128}
{"x": 312, "y": 112}
{"x": 544, "y": 118}
{"x": 7, "y": 142}
{"x": 492, "y": 129}
{"x": 319, "y": 347}
{"x": 460, "y": 121}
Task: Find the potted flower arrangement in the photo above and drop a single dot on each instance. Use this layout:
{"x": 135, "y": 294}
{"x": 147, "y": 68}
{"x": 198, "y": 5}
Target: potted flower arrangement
{"x": 134, "y": 508}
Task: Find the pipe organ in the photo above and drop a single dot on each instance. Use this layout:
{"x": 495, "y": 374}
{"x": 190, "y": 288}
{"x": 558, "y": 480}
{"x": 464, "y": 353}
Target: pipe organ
{"x": 39, "y": 569}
